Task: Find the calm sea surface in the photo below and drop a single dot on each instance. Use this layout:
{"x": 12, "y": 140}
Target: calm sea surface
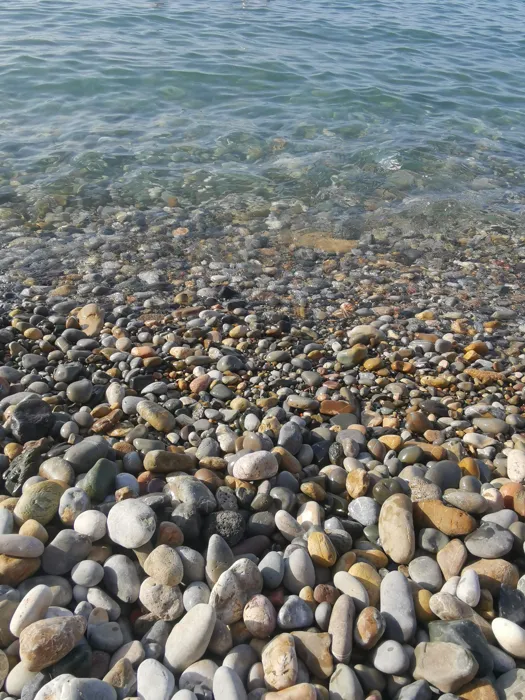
{"x": 415, "y": 107}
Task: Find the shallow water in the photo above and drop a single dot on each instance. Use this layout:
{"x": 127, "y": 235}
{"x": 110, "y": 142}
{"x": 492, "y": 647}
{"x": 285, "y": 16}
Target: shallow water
{"x": 411, "y": 107}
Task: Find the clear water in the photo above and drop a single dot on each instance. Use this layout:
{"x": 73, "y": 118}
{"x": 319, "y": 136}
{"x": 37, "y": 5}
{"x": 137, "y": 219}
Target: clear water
{"x": 402, "y": 106}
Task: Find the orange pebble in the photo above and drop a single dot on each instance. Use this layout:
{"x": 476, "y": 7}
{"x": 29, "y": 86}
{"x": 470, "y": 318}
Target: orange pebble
{"x": 143, "y": 351}
{"x": 469, "y": 467}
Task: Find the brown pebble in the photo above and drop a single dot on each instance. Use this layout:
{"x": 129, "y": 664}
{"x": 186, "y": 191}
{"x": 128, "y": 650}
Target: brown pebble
{"x": 357, "y": 483}
{"x": 450, "y": 521}
{"x": 493, "y": 572}
{"x": 452, "y": 558}
{"x": 14, "y": 570}
{"x": 326, "y": 593}
{"x": 321, "y": 549}
{"x": 45, "y": 642}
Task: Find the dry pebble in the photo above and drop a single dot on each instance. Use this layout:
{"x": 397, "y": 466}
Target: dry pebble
{"x": 242, "y": 482}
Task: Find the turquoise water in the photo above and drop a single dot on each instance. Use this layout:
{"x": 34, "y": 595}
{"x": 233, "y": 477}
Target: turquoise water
{"x": 405, "y": 106}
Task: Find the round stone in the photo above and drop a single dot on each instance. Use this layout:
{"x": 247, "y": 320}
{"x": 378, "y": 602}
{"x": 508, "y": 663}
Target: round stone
{"x": 131, "y": 523}
{"x": 92, "y": 523}
{"x": 426, "y": 573}
{"x": 489, "y": 541}
{"x": 390, "y": 657}
{"x": 255, "y": 466}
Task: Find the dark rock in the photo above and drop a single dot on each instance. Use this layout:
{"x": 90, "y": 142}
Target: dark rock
{"x": 32, "y": 419}
{"x": 228, "y": 524}
{"x": 22, "y": 468}
{"x": 511, "y": 604}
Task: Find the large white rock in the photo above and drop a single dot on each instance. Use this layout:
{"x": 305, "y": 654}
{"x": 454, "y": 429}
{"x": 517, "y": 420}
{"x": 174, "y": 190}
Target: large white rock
{"x": 189, "y": 638}
{"x": 131, "y": 523}
{"x": 510, "y": 636}
{"x": 516, "y": 466}
{"x": 154, "y": 681}
{"x": 255, "y": 466}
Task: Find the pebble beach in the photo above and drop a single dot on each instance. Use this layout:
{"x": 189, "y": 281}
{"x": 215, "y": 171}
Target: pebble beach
{"x": 279, "y": 462}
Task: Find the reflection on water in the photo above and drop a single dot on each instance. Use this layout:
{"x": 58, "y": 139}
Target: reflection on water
{"x": 363, "y": 106}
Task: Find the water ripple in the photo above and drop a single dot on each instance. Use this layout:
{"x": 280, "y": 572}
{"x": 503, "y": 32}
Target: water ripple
{"x": 437, "y": 87}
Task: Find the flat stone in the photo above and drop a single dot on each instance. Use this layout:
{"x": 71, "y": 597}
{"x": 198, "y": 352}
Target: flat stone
{"x": 272, "y": 569}
{"x": 240, "y": 659}
{"x": 451, "y": 558}
{"x": 164, "y": 565}
{"x": 468, "y": 589}
{"x": 426, "y": 573}
{"x": 80, "y": 392}
{"x": 87, "y": 573}
{"x": 105, "y": 636}
{"x": 32, "y": 419}
{"x": 352, "y": 586}
{"x": 479, "y": 689}
{"x": 466, "y": 634}
{"x": 99, "y": 481}
{"x": 121, "y": 578}
{"x": 14, "y": 570}
{"x": 259, "y": 617}
{"x": 166, "y": 462}
{"x": 511, "y": 685}
{"x": 489, "y": 541}
{"x": 227, "y": 685}
{"x": 321, "y": 549}
{"x": 60, "y": 588}
{"x": 365, "y": 510}
{"x": 473, "y": 503}
{"x": 165, "y": 602}
{"x": 84, "y": 454}
{"x": 67, "y": 686}
{"x": 73, "y": 502}
{"x": 390, "y": 657}
{"x": 447, "y": 607}
{"x": 446, "y": 666}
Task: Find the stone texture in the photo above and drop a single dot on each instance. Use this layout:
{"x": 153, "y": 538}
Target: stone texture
{"x": 45, "y": 642}
{"x": 396, "y": 528}
{"x": 446, "y": 666}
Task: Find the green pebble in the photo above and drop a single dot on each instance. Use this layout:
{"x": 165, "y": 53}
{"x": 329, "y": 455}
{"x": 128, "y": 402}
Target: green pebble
{"x": 100, "y": 479}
